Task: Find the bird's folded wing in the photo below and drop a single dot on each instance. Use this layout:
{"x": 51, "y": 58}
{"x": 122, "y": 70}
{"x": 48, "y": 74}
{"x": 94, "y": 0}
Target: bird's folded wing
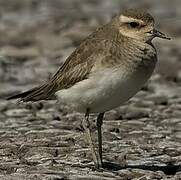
{"x": 82, "y": 61}
{"x": 77, "y": 67}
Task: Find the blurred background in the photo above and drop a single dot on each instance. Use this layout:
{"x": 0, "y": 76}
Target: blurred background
{"x": 44, "y": 140}
{"x": 38, "y": 35}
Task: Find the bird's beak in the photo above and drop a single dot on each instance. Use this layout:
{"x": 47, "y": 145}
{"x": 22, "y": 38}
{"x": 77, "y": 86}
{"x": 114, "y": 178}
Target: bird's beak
{"x": 159, "y": 34}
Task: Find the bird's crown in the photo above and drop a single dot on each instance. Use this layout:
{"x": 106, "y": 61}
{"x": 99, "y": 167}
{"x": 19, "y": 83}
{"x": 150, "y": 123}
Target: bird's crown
{"x": 137, "y": 24}
{"x": 138, "y": 14}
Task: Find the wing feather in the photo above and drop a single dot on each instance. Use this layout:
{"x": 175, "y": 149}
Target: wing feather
{"x": 77, "y": 67}
{"x": 80, "y": 63}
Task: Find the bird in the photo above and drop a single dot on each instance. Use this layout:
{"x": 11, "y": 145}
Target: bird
{"x": 104, "y": 71}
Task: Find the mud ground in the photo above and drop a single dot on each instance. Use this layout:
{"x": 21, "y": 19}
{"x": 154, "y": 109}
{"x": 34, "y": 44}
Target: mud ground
{"x": 44, "y": 140}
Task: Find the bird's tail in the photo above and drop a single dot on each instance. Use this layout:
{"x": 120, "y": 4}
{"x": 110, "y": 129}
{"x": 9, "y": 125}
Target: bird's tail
{"x": 43, "y": 92}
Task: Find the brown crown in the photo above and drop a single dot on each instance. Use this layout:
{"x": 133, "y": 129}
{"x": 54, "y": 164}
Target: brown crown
{"x": 138, "y": 14}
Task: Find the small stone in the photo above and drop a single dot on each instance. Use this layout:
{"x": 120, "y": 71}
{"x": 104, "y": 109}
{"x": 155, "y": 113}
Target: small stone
{"x": 3, "y": 105}
{"x": 158, "y": 100}
{"x": 116, "y": 130}
{"x": 136, "y": 113}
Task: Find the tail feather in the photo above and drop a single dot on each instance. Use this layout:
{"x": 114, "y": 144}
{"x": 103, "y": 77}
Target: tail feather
{"x": 44, "y": 92}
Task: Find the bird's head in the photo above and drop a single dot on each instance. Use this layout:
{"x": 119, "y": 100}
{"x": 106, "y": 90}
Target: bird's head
{"x": 138, "y": 24}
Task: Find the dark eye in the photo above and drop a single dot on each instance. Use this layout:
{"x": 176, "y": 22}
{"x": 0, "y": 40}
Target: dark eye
{"x": 133, "y": 24}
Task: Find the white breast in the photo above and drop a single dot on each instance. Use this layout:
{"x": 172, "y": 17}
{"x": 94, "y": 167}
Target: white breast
{"x": 104, "y": 90}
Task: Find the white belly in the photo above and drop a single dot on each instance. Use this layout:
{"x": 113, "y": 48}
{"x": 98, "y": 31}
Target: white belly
{"x": 103, "y": 91}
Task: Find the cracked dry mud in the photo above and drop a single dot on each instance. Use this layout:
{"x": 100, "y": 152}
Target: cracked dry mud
{"x": 44, "y": 140}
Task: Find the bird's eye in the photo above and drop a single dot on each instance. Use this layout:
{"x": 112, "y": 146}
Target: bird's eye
{"x": 133, "y": 25}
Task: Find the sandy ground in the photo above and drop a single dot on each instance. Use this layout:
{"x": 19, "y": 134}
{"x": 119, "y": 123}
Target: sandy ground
{"x": 44, "y": 140}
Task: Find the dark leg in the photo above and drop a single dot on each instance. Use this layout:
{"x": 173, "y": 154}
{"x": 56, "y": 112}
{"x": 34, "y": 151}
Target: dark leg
{"x": 86, "y": 126}
{"x": 99, "y": 124}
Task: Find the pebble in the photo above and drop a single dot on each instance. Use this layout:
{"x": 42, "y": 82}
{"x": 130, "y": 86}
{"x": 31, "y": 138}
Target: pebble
{"x": 136, "y": 113}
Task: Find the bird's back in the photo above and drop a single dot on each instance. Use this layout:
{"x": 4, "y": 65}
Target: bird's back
{"x": 104, "y": 48}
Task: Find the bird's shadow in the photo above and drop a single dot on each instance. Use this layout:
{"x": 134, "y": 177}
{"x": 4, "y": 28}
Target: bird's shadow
{"x": 169, "y": 169}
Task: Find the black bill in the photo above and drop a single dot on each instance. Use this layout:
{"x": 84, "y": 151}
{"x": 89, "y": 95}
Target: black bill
{"x": 159, "y": 34}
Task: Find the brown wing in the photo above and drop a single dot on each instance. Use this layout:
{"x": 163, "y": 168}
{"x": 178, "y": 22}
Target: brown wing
{"x": 76, "y": 68}
{"x": 80, "y": 63}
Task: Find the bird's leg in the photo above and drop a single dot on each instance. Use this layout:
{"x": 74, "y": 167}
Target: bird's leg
{"x": 99, "y": 124}
{"x": 86, "y": 126}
